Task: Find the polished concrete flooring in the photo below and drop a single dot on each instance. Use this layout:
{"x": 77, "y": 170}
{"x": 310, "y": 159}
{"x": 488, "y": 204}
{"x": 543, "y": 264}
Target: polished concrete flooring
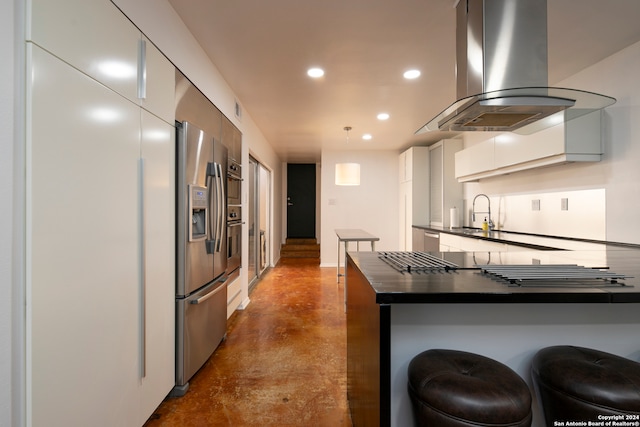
{"x": 283, "y": 362}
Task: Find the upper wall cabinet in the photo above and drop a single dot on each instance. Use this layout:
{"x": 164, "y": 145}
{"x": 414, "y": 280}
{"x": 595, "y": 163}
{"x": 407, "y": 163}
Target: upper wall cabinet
{"x": 94, "y": 37}
{"x": 578, "y": 140}
{"x": 158, "y": 96}
{"x": 232, "y": 139}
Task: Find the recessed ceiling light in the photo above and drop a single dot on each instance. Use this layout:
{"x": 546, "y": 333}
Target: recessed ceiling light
{"x": 411, "y": 74}
{"x": 383, "y": 116}
{"x": 367, "y": 136}
{"x": 315, "y": 72}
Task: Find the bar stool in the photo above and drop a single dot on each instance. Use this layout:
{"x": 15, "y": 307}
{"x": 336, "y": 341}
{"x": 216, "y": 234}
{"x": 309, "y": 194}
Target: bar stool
{"x": 450, "y": 388}
{"x": 581, "y": 384}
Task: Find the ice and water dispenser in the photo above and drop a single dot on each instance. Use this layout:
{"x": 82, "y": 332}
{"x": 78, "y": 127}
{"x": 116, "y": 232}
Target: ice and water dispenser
{"x": 198, "y": 206}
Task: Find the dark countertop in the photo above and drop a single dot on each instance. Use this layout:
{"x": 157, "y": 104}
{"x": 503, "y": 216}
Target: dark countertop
{"x": 470, "y": 285}
{"x": 528, "y": 240}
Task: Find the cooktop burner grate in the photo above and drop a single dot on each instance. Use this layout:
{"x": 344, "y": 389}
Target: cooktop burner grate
{"x": 554, "y": 275}
{"x": 416, "y": 262}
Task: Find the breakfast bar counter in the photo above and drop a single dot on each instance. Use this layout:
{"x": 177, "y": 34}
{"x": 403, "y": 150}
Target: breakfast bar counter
{"x": 395, "y": 313}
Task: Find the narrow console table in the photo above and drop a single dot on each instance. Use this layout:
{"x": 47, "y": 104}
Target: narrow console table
{"x": 353, "y": 235}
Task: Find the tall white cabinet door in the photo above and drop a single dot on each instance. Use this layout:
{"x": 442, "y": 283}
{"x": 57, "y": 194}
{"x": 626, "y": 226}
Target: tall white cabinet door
{"x": 404, "y": 204}
{"x": 93, "y": 36}
{"x": 82, "y": 262}
{"x": 158, "y": 304}
{"x": 159, "y": 85}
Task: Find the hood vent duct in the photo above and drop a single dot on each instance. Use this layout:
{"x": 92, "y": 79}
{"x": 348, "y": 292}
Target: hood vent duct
{"x": 501, "y": 72}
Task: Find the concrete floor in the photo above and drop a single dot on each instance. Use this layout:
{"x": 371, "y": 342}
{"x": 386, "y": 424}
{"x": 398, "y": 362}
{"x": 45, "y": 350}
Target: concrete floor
{"x": 283, "y": 362}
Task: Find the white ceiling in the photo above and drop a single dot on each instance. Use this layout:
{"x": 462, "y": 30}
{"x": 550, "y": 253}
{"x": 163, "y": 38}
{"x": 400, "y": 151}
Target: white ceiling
{"x": 264, "y": 47}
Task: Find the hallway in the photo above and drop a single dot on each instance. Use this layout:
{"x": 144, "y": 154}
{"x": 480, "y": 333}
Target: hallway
{"x": 283, "y": 362}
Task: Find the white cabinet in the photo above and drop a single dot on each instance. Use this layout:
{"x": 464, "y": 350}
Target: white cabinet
{"x": 83, "y": 301}
{"x": 97, "y": 39}
{"x": 100, "y": 224}
{"x": 157, "y": 154}
{"x": 445, "y": 192}
{"x": 232, "y": 139}
{"x": 475, "y": 159}
{"x": 159, "y": 93}
{"x": 413, "y": 192}
{"x": 405, "y": 163}
{"x": 91, "y": 35}
{"x": 453, "y": 243}
{"x": 578, "y": 140}
{"x": 458, "y": 243}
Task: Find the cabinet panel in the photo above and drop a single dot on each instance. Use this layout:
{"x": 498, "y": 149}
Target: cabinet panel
{"x": 160, "y": 84}
{"x": 404, "y": 204}
{"x": 445, "y": 191}
{"x": 232, "y": 139}
{"x": 83, "y": 281}
{"x": 414, "y": 199}
{"x": 418, "y": 239}
{"x": 511, "y": 149}
{"x": 578, "y": 140}
{"x": 158, "y": 155}
{"x": 237, "y": 145}
{"x": 477, "y": 158}
{"x": 402, "y": 167}
{"x": 91, "y": 35}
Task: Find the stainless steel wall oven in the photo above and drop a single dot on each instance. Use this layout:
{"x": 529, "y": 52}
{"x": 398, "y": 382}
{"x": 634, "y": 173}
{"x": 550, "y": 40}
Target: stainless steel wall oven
{"x": 234, "y": 219}
{"x": 234, "y": 183}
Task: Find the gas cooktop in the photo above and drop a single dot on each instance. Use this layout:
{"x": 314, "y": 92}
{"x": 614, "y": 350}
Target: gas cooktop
{"x": 549, "y": 275}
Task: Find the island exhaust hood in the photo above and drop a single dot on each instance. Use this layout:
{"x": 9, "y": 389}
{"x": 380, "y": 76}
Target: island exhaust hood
{"x": 501, "y": 72}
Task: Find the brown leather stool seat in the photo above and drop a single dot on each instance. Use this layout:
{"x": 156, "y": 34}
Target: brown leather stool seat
{"x": 450, "y": 388}
{"x": 582, "y": 384}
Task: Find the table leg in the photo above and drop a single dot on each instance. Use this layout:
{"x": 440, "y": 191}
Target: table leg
{"x": 346, "y": 248}
{"x": 338, "y": 272}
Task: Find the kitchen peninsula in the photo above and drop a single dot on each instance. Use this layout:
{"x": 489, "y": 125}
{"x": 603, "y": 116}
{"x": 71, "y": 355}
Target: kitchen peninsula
{"x": 394, "y": 314}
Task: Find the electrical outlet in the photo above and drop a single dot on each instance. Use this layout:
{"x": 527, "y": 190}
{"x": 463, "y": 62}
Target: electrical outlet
{"x": 535, "y": 205}
{"x": 535, "y": 261}
{"x": 564, "y": 204}
{"x": 332, "y": 202}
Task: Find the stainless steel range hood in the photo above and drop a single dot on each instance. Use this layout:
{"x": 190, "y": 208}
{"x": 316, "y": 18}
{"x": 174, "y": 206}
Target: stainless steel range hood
{"x": 501, "y": 72}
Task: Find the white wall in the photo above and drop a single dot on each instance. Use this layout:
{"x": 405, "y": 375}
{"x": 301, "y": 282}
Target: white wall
{"x": 167, "y": 31}
{"x": 617, "y": 174}
{"x": 371, "y": 206}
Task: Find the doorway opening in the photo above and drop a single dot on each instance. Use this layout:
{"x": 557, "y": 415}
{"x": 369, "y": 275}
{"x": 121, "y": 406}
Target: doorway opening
{"x": 301, "y": 239}
{"x": 259, "y": 220}
{"x": 301, "y": 201}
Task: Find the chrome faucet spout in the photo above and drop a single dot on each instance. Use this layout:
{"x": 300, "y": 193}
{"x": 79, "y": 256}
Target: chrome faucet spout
{"x": 488, "y": 212}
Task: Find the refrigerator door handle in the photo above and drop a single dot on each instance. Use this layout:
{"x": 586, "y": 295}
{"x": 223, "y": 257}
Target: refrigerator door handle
{"x": 209, "y": 295}
{"x": 221, "y": 205}
{"x": 212, "y": 232}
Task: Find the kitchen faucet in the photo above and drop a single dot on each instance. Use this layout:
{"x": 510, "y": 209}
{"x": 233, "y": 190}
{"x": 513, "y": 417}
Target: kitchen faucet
{"x": 473, "y": 211}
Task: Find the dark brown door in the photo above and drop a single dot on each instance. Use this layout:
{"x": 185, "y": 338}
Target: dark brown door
{"x": 301, "y": 200}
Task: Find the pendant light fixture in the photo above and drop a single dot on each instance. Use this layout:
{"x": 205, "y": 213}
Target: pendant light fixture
{"x": 347, "y": 173}
{"x": 347, "y": 129}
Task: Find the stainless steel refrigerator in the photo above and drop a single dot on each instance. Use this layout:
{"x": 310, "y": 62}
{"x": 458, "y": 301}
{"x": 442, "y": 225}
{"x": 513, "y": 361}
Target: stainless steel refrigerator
{"x": 201, "y": 291}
